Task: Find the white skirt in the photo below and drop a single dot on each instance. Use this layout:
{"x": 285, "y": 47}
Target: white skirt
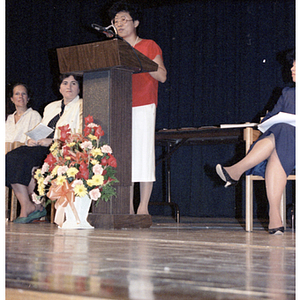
{"x": 143, "y": 143}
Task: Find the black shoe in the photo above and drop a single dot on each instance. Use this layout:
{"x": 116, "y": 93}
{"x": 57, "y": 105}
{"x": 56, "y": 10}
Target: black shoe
{"x": 225, "y": 176}
{"x": 278, "y": 230}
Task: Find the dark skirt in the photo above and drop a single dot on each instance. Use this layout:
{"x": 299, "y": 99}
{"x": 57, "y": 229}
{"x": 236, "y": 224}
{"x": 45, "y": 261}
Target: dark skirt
{"x": 285, "y": 146}
{"x": 20, "y": 162}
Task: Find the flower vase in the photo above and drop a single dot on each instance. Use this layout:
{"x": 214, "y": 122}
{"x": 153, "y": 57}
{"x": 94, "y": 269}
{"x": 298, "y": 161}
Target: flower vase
{"x": 82, "y": 206}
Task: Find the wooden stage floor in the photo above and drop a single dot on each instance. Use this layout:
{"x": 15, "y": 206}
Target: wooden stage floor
{"x": 197, "y": 259}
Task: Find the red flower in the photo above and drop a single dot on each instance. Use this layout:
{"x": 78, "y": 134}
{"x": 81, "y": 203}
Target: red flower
{"x": 50, "y": 160}
{"x": 65, "y": 132}
{"x": 66, "y": 150}
{"x": 98, "y": 132}
{"x": 84, "y": 171}
{"x": 89, "y": 119}
{"x": 87, "y": 130}
{"x": 104, "y": 161}
{"x": 112, "y": 161}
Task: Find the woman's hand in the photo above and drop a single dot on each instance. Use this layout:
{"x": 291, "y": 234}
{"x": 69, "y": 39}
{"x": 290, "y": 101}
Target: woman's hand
{"x": 45, "y": 142}
{"x": 31, "y": 143}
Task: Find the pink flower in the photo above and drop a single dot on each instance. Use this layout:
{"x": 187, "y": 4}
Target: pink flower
{"x": 45, "y": 168}
{"x": 77, "y": 181}
{"x": 106, "y": 149}
{"x": 86, "y": 145}
{"x": 47, "y": 179}
{"x": 62, "y": 170}
{"x": 95, "y": 194}
{"x": 97, "y": 169}
{"x": 36, "y": 199}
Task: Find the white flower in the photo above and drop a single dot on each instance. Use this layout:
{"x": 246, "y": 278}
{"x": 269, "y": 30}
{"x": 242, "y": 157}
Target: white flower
{"x": 95, "y": 194}
{"x": 86, "y": 145}
{"x": 92, "y": 125}
{"x": 62, "y": 170}
{"x": 97, "y": 169}
{"x": 106, "y": 149}
{"x": 77, "y": 182}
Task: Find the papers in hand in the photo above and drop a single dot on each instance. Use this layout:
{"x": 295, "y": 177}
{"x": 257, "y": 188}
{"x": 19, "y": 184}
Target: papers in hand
{"x": 279, "y": 118}
{"x": 238, "y": 125}
{"x": 39, "y": 132}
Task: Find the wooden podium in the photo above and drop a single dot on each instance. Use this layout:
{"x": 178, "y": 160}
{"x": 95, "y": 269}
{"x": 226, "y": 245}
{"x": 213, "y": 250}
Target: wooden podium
{"x": 107, "y": 69}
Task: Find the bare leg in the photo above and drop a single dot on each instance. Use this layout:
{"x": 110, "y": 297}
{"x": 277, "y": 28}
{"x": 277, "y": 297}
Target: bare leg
{"x": 145, "y": 191}
{"x": 276, "y": 179}
{"x": 21, "y": 192}
{"x": 261, "y": 151}
{"x": 131, "y": 199}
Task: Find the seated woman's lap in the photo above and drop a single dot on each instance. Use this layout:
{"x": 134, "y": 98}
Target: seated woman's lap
{"x": 21, "y": 161}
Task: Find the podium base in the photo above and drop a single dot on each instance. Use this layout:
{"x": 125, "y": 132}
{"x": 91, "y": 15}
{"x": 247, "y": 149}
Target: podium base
{"x": 109, "y": 221}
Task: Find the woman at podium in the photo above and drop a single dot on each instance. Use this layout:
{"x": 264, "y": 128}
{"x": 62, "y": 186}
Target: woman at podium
{"x": 21, "y": 162}
{"x": 125, "y": 18}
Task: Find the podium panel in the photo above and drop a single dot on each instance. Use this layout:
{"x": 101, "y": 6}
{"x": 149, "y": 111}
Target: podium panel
{"x": 107, "y": 97}
{"x": 107, "y": 69}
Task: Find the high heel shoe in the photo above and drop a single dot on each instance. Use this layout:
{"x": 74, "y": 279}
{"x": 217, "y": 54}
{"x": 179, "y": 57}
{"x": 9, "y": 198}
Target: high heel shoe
{"x": 277, "y": 231}
{"x": 225, "y": 176}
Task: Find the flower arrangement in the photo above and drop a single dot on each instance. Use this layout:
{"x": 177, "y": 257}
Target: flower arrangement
{"x": 78, "y": 164}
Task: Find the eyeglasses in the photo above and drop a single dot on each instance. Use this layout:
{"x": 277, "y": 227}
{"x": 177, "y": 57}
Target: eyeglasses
{"x": 120, "y": 21}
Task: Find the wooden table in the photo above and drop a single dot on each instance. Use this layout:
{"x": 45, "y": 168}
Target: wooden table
{"x": 172, "y": 139}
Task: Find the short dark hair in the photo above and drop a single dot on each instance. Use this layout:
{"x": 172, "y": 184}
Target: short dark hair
{"x": 66, "y": 75}
{"x": 132, "y": 8}
{"x": 77, "y": 77}
{"x": 12, "y": 86}
{"x": 290, "y": 56}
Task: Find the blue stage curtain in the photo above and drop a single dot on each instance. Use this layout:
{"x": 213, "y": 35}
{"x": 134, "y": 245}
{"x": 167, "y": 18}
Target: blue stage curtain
{"x": 221, "y": 62}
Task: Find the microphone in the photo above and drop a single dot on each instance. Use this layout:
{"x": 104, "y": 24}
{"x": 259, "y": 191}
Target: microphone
{"x": 114, "y": 33}
{"x": 104, "y": 30}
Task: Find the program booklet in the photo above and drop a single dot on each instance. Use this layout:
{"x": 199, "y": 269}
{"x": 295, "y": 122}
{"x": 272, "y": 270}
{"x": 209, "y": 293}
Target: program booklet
{"x": 238, "y": 125}
{"x": 39, "y": 132}
{"x": 281, "y": 117}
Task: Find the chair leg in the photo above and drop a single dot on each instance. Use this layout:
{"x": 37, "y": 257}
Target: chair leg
{"x": 52, "y": 213}
{"x": 249, "y": 204}
{"x": 283, "y": 208}
{"x": 13, "y": 206}
{"x": 6, "y": 203}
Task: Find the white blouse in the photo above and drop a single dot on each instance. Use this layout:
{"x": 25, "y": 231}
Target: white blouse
{"x": 15, "y": 132}
{"x": 72, "y": 115}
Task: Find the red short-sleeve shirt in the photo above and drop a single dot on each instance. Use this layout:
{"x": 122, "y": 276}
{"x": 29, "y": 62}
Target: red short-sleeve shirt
{"x": 144, "y": 86}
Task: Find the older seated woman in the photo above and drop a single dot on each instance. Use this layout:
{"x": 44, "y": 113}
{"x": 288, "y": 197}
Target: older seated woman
{"x": 21, "y": 162}
{"x": 22, "y": 120}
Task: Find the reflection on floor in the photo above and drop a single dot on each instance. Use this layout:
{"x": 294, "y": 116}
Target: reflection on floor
{"x": 197, "y": 259}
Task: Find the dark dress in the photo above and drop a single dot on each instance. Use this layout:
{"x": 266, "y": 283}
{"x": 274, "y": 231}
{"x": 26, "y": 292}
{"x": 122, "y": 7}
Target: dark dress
{"x": 284, "y": 135}
{"x": 20, "y": 161}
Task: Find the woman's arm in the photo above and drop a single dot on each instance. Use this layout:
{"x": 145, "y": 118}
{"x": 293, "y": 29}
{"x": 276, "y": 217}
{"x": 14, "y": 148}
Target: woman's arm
{"x": 161, "y": 73}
